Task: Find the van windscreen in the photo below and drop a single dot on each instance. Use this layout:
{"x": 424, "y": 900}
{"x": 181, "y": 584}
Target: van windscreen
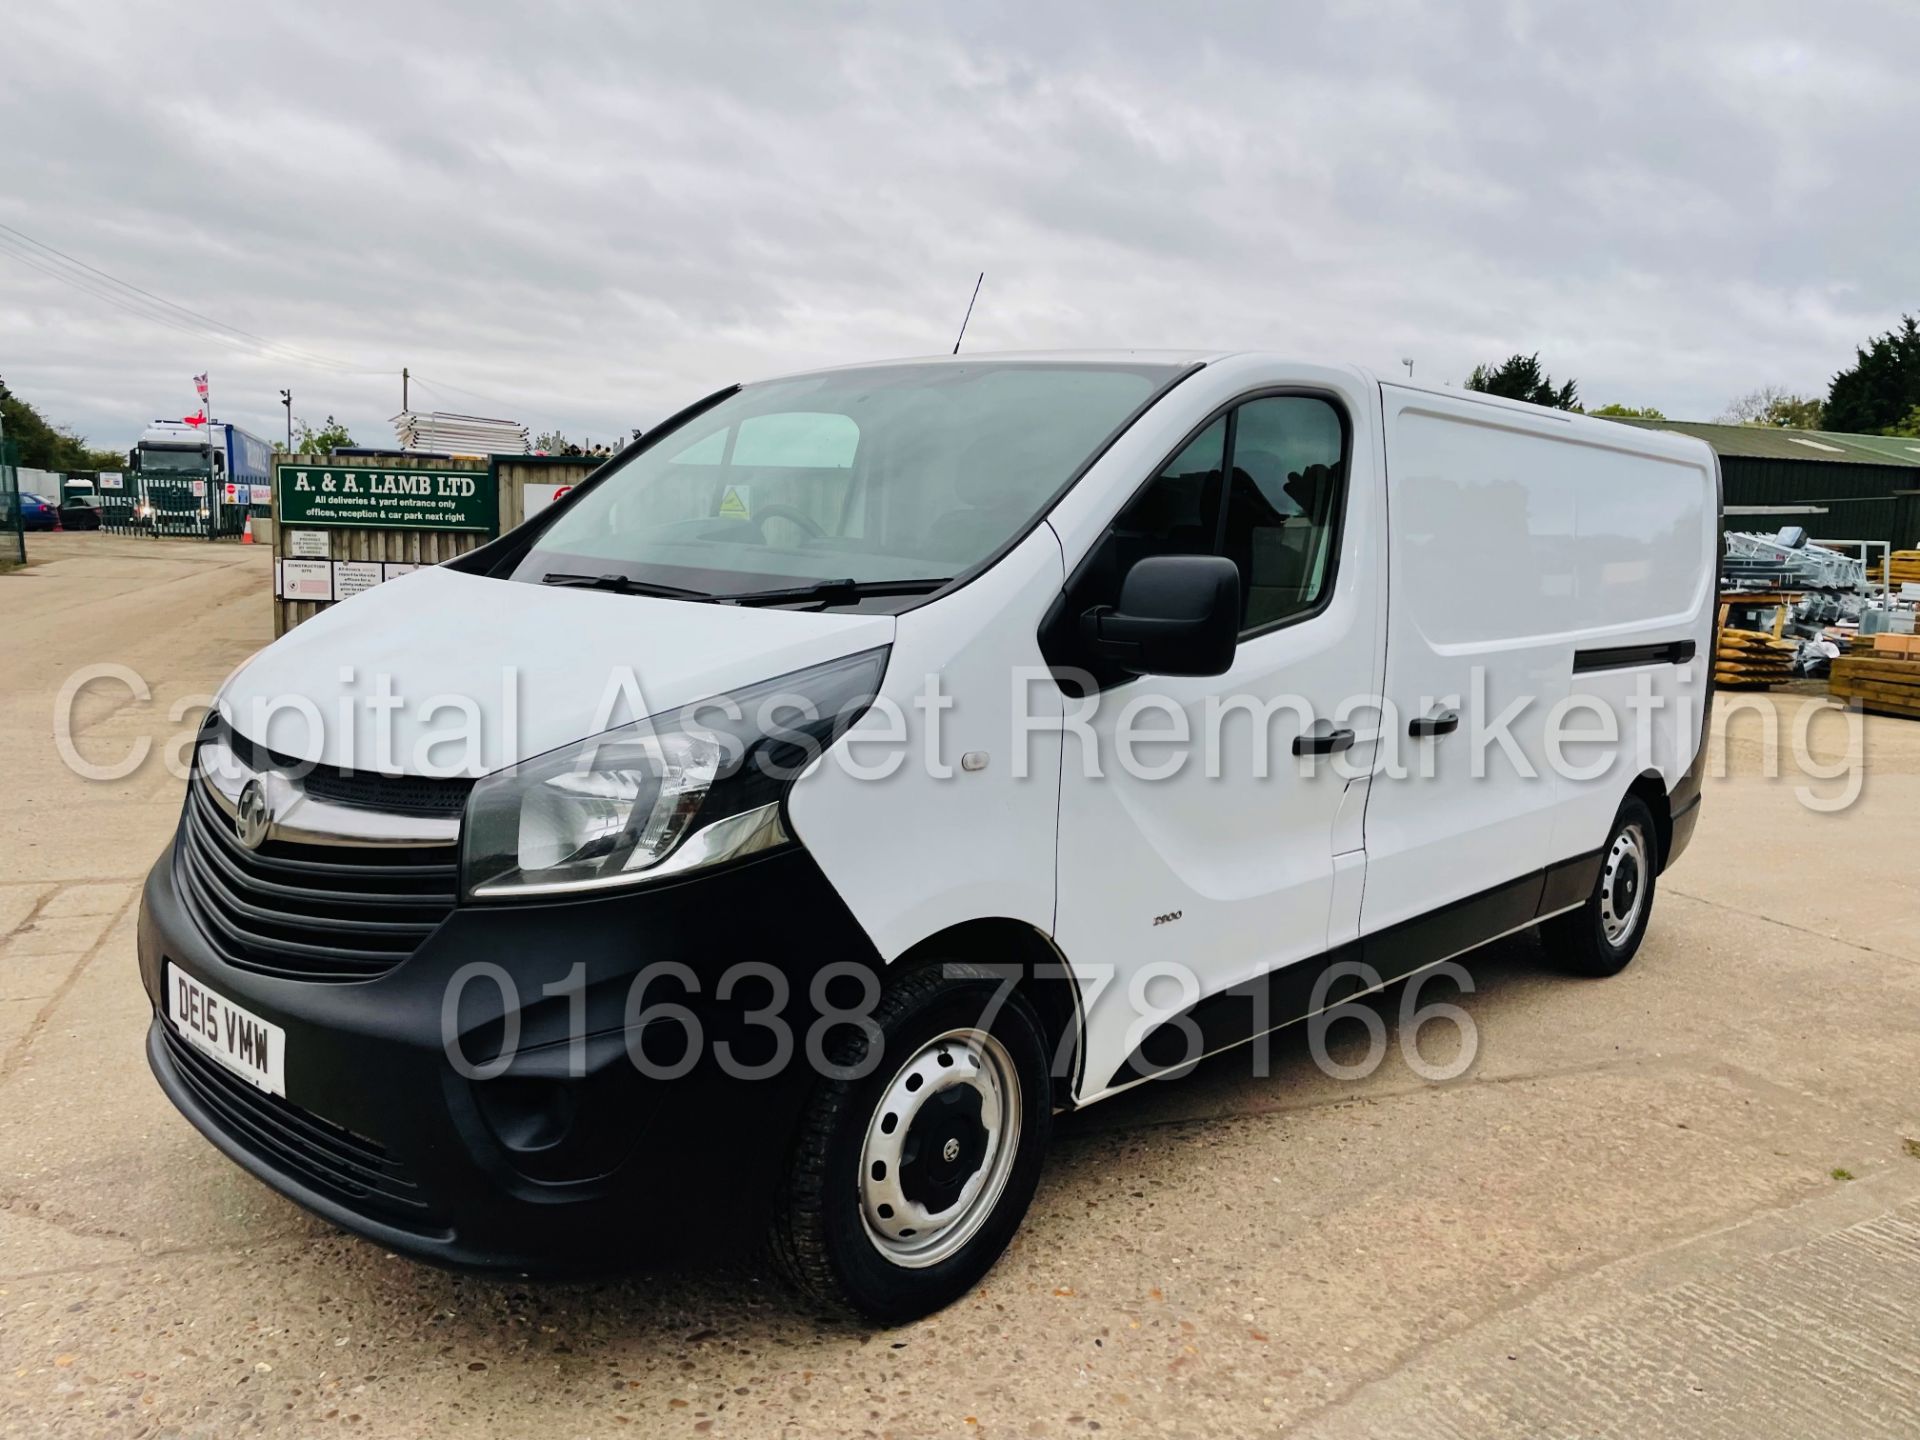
{"x": 884, "y": 474}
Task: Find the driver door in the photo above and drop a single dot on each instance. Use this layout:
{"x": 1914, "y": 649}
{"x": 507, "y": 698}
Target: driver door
{"x": 1197, "y": 896}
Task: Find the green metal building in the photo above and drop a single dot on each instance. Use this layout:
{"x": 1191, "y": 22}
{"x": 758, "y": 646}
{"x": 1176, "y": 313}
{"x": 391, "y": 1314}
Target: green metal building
{"x": 1839, "y": 487}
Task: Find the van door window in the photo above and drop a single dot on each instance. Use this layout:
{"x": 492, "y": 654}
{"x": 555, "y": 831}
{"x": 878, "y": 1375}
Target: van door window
{"x": 1283, "y": 506}
{"x": 1178, "y": 513}
{"x": 1278, "y": 519}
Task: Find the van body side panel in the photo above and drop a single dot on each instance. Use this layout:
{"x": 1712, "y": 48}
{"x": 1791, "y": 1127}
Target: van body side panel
{"x": 930, "y": 845}
{"x": 1557, "y": 574}
{"x": 1649, "y": 541}
{"x": 1483, "y": 574}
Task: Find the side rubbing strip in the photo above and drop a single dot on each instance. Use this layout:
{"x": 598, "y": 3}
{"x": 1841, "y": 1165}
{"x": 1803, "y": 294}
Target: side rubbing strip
{"x": 1624, "y": 657}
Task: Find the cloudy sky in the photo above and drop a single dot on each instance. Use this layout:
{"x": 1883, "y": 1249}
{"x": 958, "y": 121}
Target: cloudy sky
{"x": 584, "y": 215}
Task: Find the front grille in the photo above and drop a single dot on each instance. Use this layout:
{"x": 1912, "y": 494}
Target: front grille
{"x": 394, "y": 794}
{"x": 397, "y": 795}
{"x": 350, "y": 1168}
{"x": 309, "y": 912}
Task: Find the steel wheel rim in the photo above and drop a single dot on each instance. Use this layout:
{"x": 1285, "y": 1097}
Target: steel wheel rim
{"x": 1623, "y": 885}
{"x": 923, "y": 1102}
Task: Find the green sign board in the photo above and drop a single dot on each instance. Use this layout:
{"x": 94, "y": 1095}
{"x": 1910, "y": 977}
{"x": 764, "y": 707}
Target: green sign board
{"x": 371, "y": 498}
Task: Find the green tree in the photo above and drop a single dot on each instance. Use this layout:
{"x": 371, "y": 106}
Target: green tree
{"x": 39, "y": 445}
{"x": 1520, "y": 377}
{"x": 1770, "y": 405}
{"x": 1882, "y": 387}
{"x": 551, "y": 441}
{"x": 1629, "y": 412}
{"x": 312, "y": 440}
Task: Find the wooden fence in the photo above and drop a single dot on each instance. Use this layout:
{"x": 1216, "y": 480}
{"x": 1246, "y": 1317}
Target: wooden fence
{"x": 511, "y": 476}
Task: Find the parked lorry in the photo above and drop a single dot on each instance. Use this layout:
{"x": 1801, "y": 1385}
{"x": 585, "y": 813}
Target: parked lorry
{"x": 199, "y": 479}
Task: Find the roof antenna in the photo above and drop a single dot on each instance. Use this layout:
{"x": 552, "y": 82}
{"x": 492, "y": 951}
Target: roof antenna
{"x": 969, "y": 315}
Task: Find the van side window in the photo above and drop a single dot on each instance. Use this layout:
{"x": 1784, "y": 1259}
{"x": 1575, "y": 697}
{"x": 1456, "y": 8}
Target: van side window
{"x": 1179, "y": 513}
{"x": 1176, "y": 513}
{"x": 1263, "y": 484}
{"x": 1283, "y": 505}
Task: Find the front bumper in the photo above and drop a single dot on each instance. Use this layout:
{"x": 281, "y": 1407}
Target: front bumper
{"x": 538, "y": 1168}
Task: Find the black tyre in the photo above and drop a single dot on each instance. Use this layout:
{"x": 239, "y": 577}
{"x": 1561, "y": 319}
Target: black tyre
{"x": 906, "y": 1184}
{"x": 1603, "y": 935}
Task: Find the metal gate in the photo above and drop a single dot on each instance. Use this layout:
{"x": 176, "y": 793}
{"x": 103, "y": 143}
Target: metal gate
{"x": 171, "y": 507}
{"x": 13, "y": 539}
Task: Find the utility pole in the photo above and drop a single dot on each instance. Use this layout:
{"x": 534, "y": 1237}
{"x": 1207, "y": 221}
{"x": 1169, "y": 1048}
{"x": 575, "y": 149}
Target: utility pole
{"x": 213, "y": 485}
{"x": 1409, "y": 364}
{"x": 286, "y": 399}
{"x": 403, "y": 390}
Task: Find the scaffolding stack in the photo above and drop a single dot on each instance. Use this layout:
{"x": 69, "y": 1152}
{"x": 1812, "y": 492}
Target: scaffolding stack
{"x": 439, "y": 433}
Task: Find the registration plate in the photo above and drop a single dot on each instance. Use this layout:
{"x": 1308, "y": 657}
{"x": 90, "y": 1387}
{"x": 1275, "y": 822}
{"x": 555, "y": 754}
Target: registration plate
{"x": 235, "y": 1037}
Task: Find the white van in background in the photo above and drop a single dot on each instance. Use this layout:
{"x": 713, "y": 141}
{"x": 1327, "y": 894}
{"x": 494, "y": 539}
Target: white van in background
{"x": 890, "y": 757}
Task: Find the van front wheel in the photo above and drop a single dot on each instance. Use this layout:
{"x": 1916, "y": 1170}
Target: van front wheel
{"x": 1602, "y": 936}
{"x": 906, "y": 1183}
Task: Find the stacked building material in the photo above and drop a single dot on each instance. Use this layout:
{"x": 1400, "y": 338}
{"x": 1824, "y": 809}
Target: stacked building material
{"x": 1906, "y": 567}
{"x": 1749, "y": 660}
{"x": 1885, "y": 678}
{"x": 439, "y": 433}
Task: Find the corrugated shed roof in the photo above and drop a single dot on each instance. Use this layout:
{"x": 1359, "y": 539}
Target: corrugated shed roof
{"x": 1901, "y": 449}
{"x": 1768, "y": 442}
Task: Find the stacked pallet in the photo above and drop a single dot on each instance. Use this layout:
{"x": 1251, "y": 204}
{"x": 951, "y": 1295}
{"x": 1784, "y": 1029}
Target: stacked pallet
{"x": 1749, "y": 660}
{"x": 1884, "y": 679}
{"x": 1905, "y": 566}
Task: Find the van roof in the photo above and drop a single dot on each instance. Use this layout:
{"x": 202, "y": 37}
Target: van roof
{"x": 1032, "y": 357}
{"x": 1592, "y": 429}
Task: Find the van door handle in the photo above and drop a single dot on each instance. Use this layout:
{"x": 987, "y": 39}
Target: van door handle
{"x": 1444, "y": 723}
{"x": 1327, "y": 744}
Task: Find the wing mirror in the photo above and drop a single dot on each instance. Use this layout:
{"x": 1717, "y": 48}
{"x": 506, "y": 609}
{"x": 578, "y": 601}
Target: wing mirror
{"x": 1178, "y": 615}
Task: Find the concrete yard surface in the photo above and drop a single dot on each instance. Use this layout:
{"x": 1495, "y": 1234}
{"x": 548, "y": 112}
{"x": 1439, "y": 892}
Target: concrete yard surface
{"x": 1682, "y": 1202}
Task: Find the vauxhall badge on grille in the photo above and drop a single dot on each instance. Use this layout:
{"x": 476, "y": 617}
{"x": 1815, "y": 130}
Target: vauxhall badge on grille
{"x": 252, "y": 815}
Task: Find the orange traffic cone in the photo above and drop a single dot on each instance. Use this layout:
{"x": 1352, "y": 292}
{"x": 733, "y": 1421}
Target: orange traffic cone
{"x": 246, "y": 532}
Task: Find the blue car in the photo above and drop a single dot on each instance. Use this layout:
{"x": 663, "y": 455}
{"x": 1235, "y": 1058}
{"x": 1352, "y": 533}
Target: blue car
{"x": 37, "y": 512}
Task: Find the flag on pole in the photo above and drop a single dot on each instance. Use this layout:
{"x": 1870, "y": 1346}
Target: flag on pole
{"x": 200, "y": 384}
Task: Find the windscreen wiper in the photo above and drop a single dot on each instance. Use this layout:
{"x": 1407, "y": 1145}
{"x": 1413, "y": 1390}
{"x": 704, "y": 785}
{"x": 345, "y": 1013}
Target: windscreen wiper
{"x": 623, "y": 585}
{"x": 835, "y": 591}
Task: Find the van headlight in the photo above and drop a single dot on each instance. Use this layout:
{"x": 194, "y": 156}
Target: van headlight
{"x": 672, "y": 793}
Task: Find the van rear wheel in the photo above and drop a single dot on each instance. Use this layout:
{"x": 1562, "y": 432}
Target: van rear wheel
{"x": 907, "y": 1183}
{"x": 1603, "y": 935}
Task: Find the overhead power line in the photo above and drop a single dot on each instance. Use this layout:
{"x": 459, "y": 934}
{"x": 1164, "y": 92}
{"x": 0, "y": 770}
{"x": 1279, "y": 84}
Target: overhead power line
{"x": 133, "y": 300}
{"x": 423, "y": 381}
{"x": 143, "y": 304}
{"x": 101, "y": 293}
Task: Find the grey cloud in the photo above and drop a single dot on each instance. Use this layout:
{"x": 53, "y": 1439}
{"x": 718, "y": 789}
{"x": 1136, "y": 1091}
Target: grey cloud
{"x": 591, "y": 213}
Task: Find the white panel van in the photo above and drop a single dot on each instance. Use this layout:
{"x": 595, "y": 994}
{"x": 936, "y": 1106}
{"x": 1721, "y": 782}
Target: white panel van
{"x": 773, "y": 835}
